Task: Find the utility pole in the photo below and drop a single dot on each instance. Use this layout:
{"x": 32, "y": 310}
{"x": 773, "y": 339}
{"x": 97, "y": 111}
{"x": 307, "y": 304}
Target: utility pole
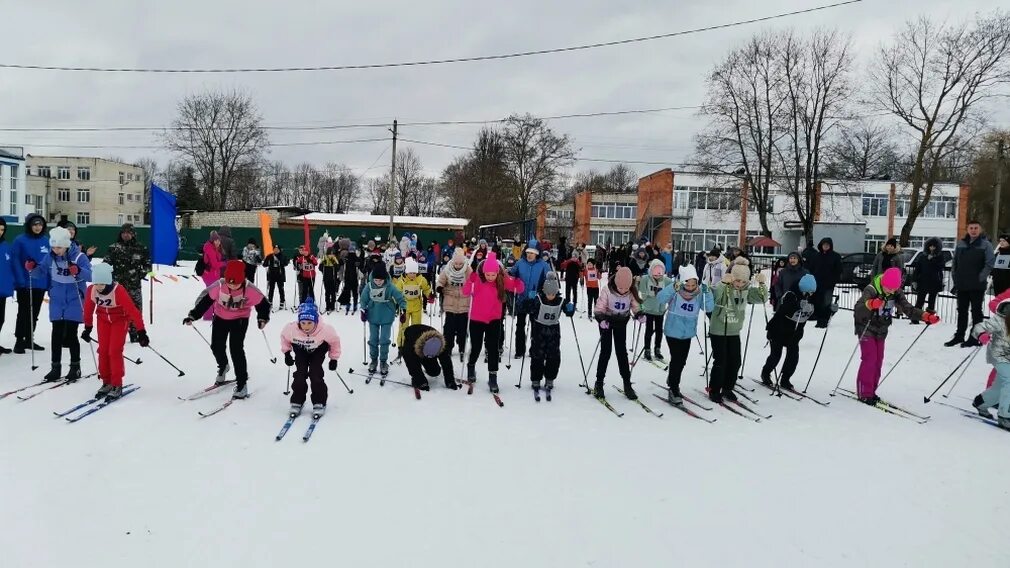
{"x": 392, "y": 184}
{"x": 1000, "y": 164}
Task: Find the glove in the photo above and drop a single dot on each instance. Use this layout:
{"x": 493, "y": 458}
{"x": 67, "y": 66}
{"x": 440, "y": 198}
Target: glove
{"x": 403, "y": 317}
{"x": 431, "y": 299}
{"x": 86, "y": 334}
{"x": 760, "y": 278}
{"x": 875, "y": 304}
{"x": 262, "y": 323}
{"x": 930, "y": 318}
{"x": 333, "y": 364}
{"x": 438, "y": 289}
{"x": 289, "y": 360}
{"x": 30, "y": 265}
{"x": 985, "y": 338}
{"x": 73, "y": 269}
{"x": 640, "y": 318}
{"x": 187, "y": 321}
{"x": 727, "y": 278}
{"x": 569, "y": 309}
{"x": 143, "y": 339}
{"x": 364, "y": 316}
{"x": 604, "y": 324}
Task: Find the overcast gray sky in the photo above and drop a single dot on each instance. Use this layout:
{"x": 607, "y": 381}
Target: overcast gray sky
{"x": 234, "y": 33}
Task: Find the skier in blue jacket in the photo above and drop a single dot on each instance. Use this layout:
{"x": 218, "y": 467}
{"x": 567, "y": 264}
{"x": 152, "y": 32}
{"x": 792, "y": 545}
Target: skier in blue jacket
{"x": 67, "y": 272}
{"x": 686, "y": 299}
{"x": 33, "y": 246}
{"x": 7, "y": 268}
{"x": 380, "y": 302}
{"x": 532, "y": 271}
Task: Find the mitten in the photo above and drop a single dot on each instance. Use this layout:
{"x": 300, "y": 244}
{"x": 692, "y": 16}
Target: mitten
{"x": 30, "y": 265}
{"x": 930, "y": 318}
{"x": 604, "y": 324}
{"x": 187, "y": 321}
{"x": 333, "y": 364}
{"x": 262, "y": 323}
{"x": 364, "y": 316}
{"x": 73, "y": 269}
{"x": 142, "y": 338}
{"x": 985, "y": 338}
{"x": 569, "y": 309}
{"x": 403, "y": 317}
{"x": 289, "y": 359}
{"x": 875, "y": 304}
{"x": 86, "y": 334}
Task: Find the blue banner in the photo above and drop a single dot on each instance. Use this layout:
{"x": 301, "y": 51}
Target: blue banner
{"x": 164, "y": 237}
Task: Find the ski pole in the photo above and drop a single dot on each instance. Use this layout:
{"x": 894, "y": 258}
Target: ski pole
{"x": 364, "y": 349}
{"x": 705, "y": 345}
{"x": 522, "y": 365}
{"x": 287, "y": 385}
{"x": 700, "y": 348}
{"x": 577, "y": 346}
{"x": 269, "y": 351}
{"x": 512, "y": 331}
{"x": 181, "y": 372}
{"x": 31, "y": 321}
{"x": 966, "y": 359}
{"x": 910, "y": 345}
{"x": 136, "y": 361}
{"x": 201, "y": 336}
{"x": 93, "y": 358}
{"x": 349, "y": 389}
{"x": 746, "y": 345}
{"x": 818, "y": 358}
{"x": 590, "y": 366}
{"x": 961, "y": 374}
{"x": 849, "y": 362}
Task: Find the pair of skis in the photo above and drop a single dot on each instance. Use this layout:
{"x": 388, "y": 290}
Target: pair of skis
{"x": 889, "y": 408}
{"x": 212, "y": 389}
{"x": 681, "y": 407}
{"x": 291, "y": 420}
{"x": 383, "y": 380}
{"x": 640, "y": 403}
{"x": 741, "y": 409}
{"x": 93, "y": 405}
{"x": 975, "y": 415}
{"x": 791, "y": 393}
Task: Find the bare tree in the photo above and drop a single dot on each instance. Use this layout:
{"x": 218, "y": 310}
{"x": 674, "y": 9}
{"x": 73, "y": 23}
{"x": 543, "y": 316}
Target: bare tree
{"x": 621, "y": 179}
{"x": 476, "y": 186}
{"x": 534, "y": 158}
{"x": 933, "y": 77}
{"x": 218, "y": 134}
{"x": 862, "y": 150}
{"x": 150, "y": 168}
{"x": 409, "y": 176}
{"x": 377, "y": 190}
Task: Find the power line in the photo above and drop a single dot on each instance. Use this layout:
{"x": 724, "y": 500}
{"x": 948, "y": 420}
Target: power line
{"x": 419, "y": 63}
{"x": 142, "y": 147}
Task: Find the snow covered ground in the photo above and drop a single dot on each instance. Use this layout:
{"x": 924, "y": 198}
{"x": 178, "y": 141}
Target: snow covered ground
{"x": 453, "y": 480}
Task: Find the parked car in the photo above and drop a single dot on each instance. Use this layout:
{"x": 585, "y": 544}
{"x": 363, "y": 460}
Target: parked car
{"x": 857, "y": 268}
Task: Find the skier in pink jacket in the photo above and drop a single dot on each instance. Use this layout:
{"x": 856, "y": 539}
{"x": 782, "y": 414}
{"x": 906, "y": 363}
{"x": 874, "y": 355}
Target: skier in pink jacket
{"x": 487, "y": 286}
{"x": 305, "y": 344}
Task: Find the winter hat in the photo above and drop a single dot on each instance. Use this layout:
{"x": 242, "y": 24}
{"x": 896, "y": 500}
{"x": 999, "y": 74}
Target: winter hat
{"x": 891, "y": 279}
{"x": 482, "y": 242}
{"x": 234, "y": 272}
{"x": 491, "y": 263}
{"x": 101, "y": 273}
{"x": 429, "y": 345}
{"x": 808, "y": 284}
{"x": 799, "y": 258}
{"x": 740, "y": 270}
{"x": 532, "y": 246}
{"x": 411, "y": 265}
{"x": 380, "y": 272}
{"x": 892, "y": 241}
{"x": 214, "y": 236}
{"x": 1003, "y": 308}
{"x": 459, "y": 256}
{"x": 657, "y": 268}
{"x": 715, "y": 252}
{"x": 551, "y": 284}
{"x": 623, "y": 279}
{"x": 688, "y": 273}
{"x": 59, "y": 237}
{"x": 308, "y": 311}
{"x": 127, "y": 228}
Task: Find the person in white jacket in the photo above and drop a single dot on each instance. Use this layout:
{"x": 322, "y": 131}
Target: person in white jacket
{"x": 715, "y": 267}
{"x": 995, "y": 334}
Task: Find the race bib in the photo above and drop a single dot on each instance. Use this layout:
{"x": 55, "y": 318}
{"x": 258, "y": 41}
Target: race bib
{"x": 620, "y": 304}
{"x": 412, "y": 291}
{"x": 549, "y": 315}
{"x": 229, "y": 302}
{"x": 377, "y": 294}
{"x": 103, "y": 300}
{"x": 683, "y": 308}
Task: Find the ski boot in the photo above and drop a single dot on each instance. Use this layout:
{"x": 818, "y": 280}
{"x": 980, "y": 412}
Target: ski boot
{"x": 549, "y": 385}
{"x": 471, "y": 373}
{"x": 647, "y": 354}
{"x": 318, "y": 410}
{"x": 222, "y": 373}
{"x": 715, "y": 396}
{"x": 954, "y": 341}
{"x": 674, "y": 397}
{"x": 373, "y": 366}
{"x": 19, "y": 347}
{"x": 383, "y": 368}
{"x": 283, "y": 307}
{"x": 37, "y": 347}
{"x": 659, "y": 353}
{"x": 517, "y": 355}
{"x": 535, "y": 385}
{"x": 54, "y": 374}
{"x": 972, "y": 341}
{"x": 73, "y": 372}
{"x": 784, "y": 384}
{"x": 766, "y": 380}
{"x": 629, "y": 391}
{"x": 870, "y": 400}
{"x": 981, "y": 407}
{"x": 425, "y": 386}
{"x": 729, "y": 395}
{"x": 347, "y": 309}
{"x": 116, "y": 392}
{"x": 104, "y": 391}
{"x": 241, "y": 392}
{"x": 451, "y": 384}
{"x": 295, "y": 410}
{"x": 492, "y": 381}
{"x": 598, "y": 390}
{"x": 4, "y": 350}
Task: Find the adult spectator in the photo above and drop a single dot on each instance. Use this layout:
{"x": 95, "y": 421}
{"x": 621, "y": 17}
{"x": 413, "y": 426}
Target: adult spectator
{"x": 31, "y": 247}
{"x": 532, "y": 271}
{"x": 213, "y": 265}
{"x": 252, "y": 257}
{"x": 888, "y": 257}
{"x": 1001, "y": 270}
{"x": 827, "y": 270}
{"x": 790, "y": 275}
{"x": 227, "y": 245}
{"x": 973, "y": 261}
{"x": 810, "y": 255}
{"x": 927, "y": 274}
{"x": 130, "y": 261}
{"x": 70, "y": 226}
{"x": 7, "y": 268}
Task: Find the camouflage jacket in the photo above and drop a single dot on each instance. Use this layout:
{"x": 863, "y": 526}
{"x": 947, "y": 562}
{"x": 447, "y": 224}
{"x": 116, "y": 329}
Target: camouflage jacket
{"x": 130, "y": 262}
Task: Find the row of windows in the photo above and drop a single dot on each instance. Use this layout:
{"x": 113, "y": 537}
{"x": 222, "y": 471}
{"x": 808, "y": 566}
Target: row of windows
{"x": 83, "y": 173}
{"x": 876, "y": 205}
{"x": 874, "y": 243}
{"x": 717, "y": 199}
{"x": 560, "y": 215}
{"x": 129, "y": 218}
{"x": 609, "y": 237}
{"x": 84, "y": 196}
{"x": 615, "y": 211}
{"x": 707, "y": 239}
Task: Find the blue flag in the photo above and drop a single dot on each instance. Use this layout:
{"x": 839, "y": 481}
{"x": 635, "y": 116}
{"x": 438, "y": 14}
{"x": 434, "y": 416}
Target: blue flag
{"x": 164, "y": 237}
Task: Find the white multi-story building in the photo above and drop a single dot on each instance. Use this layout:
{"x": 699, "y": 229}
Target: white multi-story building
{"x": 12, "y": 183}
{"x": 88, "y": 190}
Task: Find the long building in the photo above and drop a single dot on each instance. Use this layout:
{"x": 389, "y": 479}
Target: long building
{"x": 13, "y": 184}
{"x": 87, "y": 190}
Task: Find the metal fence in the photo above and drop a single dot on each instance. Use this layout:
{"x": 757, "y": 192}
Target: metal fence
{"x": 946, "y": 303}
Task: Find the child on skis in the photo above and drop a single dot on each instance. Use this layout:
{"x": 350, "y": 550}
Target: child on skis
{"x": 330, "y": 266}
{"x": 111, "y": 304}
{"x": 591, "y": 276}
{"x": 276, "y": 265}
{"x": 731, "y": 298}
{"x": 232, "y": 300}
{"x": 425, "y": 352}
{"x": 872, "y": 316}
{"x": 685, "y": 300}
{"x": 67, "y": 272}
{"x": 416, "y": 291}
{"x": 545, "y": 332}
{"x": 994, "y": 333}
{"x": 785, "y": 329}
{"x": 305, "y": 344}
{"x": 305, "y": 265}
{"x": 618, "y": 303}
{"x": 572, "y": 269}
{"x": 380, "y": 301}
{"x": 649, "y": 286}
{"x": 398, "y": 268}
{"x": 455, "y": 304}
{"x": 486, "y": 288}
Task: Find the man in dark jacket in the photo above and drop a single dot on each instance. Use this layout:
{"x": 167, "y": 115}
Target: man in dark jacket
{"x": 789, "y": 276}
{"x": 30, "y": 285}
{"x": 276, "y": 264}
{"x": 927, "y": 273}
{"x": 827, "y": 270}
{"x": 131, "y": 262}
{"x": 973, "y": 261}
{"x": 888, "y": 257}
{"x": 227, "y": 243}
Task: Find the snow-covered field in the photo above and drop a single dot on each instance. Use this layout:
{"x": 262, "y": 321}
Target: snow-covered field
{"x": 453, "y": 480}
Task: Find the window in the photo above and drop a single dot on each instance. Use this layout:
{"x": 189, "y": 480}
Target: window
{"x": 83, "y": 217}
{"x": 84, "y": 174}
{"x": 941, "y": 208}
{"x": 63, "y": 194}
{"x": 706, "y": 239}
{"x": 84, "y": 196}
{"x": 129, "y": 197}
{"x": 122, "y": 198}
{"x": 875, "y": 206}
{"x": 45, "y": 172}
{"x": 119, "y": 219}
{"x": 129, "y": 176}
{"x": 14, "y": 197}
{"x": 615, "y": 238}
{"x": 712, "y": 198}
{"x": 63, "y": 172}
{"x": 14, "y": 208}
{"x": 14, "y": 177}
{"x": 28, "y": 199}
{"x": 38, "y": 203}
{"x": 614, "y": 211}
{"x": 122, "y": 178}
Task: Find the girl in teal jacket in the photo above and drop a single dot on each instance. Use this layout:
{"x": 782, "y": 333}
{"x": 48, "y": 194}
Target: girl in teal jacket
{"x": 649, "y": 286}
{"x": 380, "y": 301}
{"x": 685, "y": 300}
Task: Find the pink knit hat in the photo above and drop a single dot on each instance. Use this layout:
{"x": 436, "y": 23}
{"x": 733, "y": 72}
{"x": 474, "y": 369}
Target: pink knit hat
{"x": 491, "y": 263}
{"x": 623, "y": 279}
{"x": 891, "y": 278}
